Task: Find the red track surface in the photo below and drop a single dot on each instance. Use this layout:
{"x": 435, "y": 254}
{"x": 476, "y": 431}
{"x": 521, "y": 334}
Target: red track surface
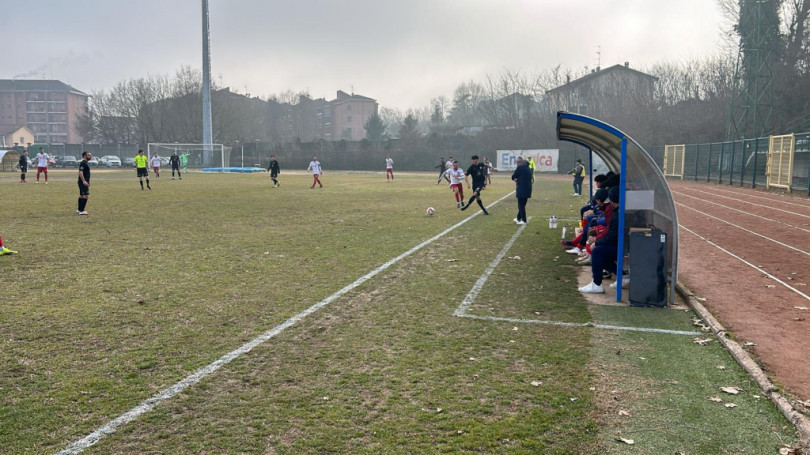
{"x": 772, "y": 233}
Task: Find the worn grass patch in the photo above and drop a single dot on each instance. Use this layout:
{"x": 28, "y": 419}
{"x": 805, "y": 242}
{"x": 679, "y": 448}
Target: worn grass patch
{"x": 101, "y": 312}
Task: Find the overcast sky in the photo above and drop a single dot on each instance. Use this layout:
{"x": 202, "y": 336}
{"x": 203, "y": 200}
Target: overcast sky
{"x": 402, "y": 53}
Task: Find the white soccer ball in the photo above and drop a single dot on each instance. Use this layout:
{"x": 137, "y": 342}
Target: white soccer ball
{"x": 430, "y": 210}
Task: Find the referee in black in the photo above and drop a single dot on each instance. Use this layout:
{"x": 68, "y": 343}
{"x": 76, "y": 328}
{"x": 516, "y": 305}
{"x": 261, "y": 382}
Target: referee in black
{"x": 274, "y": 170}
{"x": 174, "y": 161}
{"x": 84, "y": 182}
{"x": 479, "y": 178}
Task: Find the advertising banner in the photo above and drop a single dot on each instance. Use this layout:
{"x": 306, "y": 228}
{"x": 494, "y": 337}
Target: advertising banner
{"x": 544, "y": 159}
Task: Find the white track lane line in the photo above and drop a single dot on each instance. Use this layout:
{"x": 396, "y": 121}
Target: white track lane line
{"x": 468, "y": 300}
{"x": 748, "y": 194}
{"x": 165, "y": 394}
{"x": 807, "y": 297}
{"x": 792, "y": 212}
{"x": 746, "y": 230}
{"x": 771, "y": 220}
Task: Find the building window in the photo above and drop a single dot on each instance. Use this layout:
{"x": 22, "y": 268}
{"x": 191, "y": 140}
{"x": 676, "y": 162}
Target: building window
{"x": 348, "y": 119}
{"x": 348, "y": 108}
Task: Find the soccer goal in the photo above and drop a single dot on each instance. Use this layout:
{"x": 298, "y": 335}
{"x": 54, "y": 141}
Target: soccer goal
{"x": 215, "y": 157}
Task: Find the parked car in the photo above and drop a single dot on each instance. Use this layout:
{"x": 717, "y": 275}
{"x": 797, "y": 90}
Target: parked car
{"x": 129, "y": 162}
{"x": 93, "y": 162}
{"x": 164, "y": 161}
{"x": 66, "y": 161}
{"x": 109, "y": 161}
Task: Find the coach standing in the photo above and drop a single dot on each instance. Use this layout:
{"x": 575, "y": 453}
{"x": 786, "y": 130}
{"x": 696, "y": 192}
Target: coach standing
{"x": 523, "y": 188}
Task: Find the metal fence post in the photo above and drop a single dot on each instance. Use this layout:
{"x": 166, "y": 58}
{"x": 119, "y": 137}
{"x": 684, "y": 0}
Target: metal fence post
{"x": 709, "y": 164}
{"x": 756, "y": 155}
{"x": 720, "y": 163}
{"x": 697, "y": 159}
{"x": 731, "y": 166}
{"x": 742, "y": 163}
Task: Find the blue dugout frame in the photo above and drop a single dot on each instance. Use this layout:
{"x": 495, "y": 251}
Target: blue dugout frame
{"x": 637, "y": 171}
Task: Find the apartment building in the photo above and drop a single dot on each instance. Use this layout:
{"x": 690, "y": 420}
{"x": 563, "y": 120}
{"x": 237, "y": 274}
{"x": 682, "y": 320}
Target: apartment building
{"x": 49, "y": 108}
{"x": 350, "y": 113}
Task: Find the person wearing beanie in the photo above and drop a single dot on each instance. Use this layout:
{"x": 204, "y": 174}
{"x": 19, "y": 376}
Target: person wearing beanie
{"x": 604, "y": 251}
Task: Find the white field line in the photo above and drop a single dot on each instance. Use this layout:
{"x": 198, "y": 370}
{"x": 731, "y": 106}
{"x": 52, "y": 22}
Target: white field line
{"x": 479, "y": 284}
{"x": 747, "y": 230}
{"x": 792, "y": 212}
{"x": 468, "y": 300}
{"x": 165, "y": 394}
{"x": 583, "y": 324}
{"x": 743, "y": 212}
{"x": 748, "y": 194}
{"x": 758, "y": 269}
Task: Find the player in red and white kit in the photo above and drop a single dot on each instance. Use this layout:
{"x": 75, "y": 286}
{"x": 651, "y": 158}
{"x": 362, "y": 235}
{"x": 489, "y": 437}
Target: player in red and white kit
{"x": 42, "y": 164}
{"x": 389, "y": 168}
{"x": 155, "y": 162}
{"x": 315, "y": 167}
{"x": 456, "y": 177}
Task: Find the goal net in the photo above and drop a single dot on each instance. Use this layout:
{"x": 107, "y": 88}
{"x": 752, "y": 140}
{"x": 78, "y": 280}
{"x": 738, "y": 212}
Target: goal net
{"x": 215, "y": 157}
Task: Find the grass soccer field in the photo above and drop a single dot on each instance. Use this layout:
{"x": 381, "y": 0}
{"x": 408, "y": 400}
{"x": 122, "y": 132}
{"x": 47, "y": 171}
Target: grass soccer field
{"x": 330, "y": 317}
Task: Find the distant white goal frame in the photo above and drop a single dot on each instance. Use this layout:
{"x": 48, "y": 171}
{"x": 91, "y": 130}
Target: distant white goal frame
{"x": 219, "y": 154}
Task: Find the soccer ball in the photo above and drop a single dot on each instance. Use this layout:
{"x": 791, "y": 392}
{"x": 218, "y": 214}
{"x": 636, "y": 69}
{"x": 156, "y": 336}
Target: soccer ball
{"x": 430, "y": 210}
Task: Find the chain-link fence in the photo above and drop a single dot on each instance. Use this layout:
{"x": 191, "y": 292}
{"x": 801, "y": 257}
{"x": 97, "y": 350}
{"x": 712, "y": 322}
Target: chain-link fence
{"x": 743, "y": 162}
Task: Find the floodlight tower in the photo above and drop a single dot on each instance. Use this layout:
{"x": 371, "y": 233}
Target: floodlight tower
{"x": 207, "y": 138}
{"x": 752, "y": 103}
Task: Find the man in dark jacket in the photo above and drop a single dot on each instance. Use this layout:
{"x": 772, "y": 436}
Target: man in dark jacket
{"x": 523, "y": 188}
{"x": 23, "y": 165}
{"x": 604, "y": 251}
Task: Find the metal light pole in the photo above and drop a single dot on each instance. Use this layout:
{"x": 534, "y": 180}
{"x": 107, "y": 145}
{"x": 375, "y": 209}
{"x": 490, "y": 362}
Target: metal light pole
{"x": 206, "y": 88}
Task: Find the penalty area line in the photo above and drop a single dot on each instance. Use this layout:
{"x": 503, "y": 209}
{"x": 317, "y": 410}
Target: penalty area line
{"x": 169, "y": 392}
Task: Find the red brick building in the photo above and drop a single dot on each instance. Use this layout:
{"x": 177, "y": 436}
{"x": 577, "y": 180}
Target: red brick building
{"x": 49, "y": 108}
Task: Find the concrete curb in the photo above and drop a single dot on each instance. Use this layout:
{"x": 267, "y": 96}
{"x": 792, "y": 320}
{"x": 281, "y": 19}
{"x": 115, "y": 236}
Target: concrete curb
{"x": 799, "y": 420}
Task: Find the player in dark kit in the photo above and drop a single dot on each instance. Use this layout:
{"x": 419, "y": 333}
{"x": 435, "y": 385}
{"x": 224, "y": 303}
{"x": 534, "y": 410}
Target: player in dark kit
{"x": 84, "y": 182}
{"x": 174, "y": 162}
{"x": 274, "y": 170}
{"x": 479, "y": 178}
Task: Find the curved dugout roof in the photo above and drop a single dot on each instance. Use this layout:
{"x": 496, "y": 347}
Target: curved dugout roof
{"x": 8, "y": 160}
{"x": 648, "y": 200}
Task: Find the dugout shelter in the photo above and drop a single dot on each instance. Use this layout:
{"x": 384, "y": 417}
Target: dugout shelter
{"x": 9, "y": 159}
{"x": 646, "y": 201}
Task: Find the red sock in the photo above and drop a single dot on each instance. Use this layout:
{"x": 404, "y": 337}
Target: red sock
{"x": 1, "y": 242}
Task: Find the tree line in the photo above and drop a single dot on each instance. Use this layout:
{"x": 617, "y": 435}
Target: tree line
{"x": 690, "y": 101}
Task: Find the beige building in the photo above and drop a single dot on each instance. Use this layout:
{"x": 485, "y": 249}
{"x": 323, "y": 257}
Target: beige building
{"x": 50, "y": 109}
{"x": 21, "y": 136}
{"x": 349, "y": 116}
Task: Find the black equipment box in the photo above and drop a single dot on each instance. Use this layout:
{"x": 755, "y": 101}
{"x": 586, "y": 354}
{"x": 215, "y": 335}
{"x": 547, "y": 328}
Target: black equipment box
{"x": 648, "y": 267}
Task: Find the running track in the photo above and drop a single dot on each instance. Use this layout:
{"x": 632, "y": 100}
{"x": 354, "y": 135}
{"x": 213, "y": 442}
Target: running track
{"x": 747, "y": 252}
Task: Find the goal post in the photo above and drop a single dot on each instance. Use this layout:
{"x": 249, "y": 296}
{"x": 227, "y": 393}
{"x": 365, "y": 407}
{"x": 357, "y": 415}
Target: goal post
{"x": 194, "y": 156}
